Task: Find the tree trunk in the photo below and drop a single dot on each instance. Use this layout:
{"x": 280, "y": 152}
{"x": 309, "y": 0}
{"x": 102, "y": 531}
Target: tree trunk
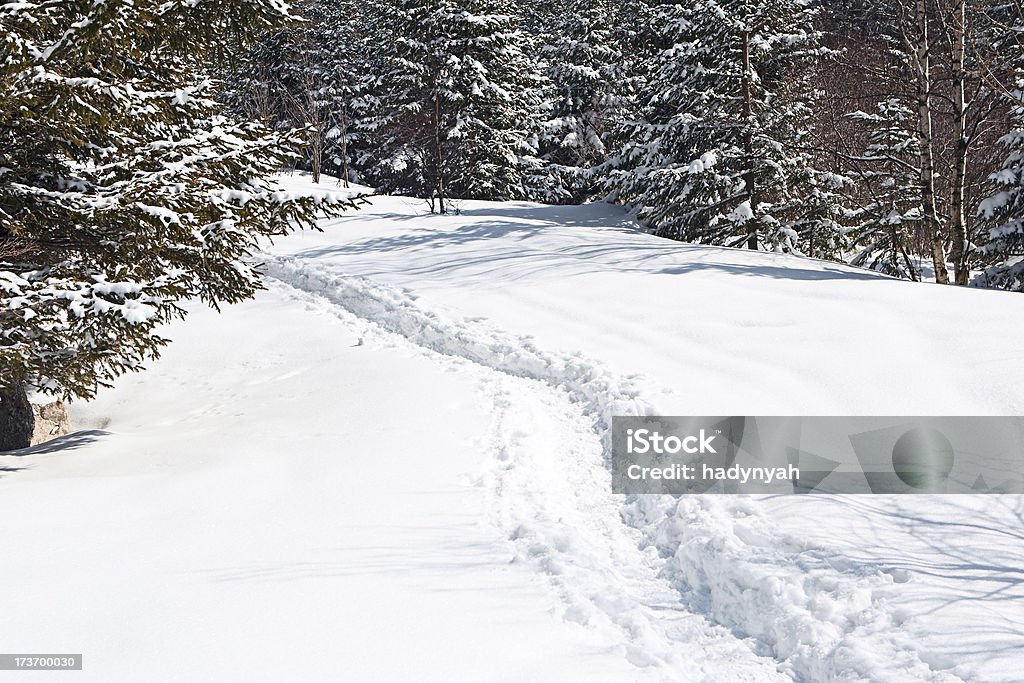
{"x": 316, "y": 140}
{"x": 344, "y": 147}
{"x": 749, "y": 182}
{"x": 316, "y": 156}
{"x": 17, "y": 421}
{"x": 930, "y": 217}
{"x": 958, "y": 221}
{"x": 438, "y": 159}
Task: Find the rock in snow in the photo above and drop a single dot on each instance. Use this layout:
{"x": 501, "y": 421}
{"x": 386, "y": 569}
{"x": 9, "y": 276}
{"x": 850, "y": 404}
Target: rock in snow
{"x": 51, "y": 422}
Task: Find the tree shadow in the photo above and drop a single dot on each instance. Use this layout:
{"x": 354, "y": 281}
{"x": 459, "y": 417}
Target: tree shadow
{"x": 962, "y": 557}
{"x": 594, "y": 215}
{"x": 823, "y": 272}
{"x": 432, "y": 237}
{"x": 617, "y": 246}
{"x": 7, "y": 470}
{"x": 68, "y": 442}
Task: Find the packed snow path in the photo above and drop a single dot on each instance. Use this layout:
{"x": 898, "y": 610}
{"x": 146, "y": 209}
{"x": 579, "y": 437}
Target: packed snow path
{"x": 273, "y": 501}
{"x": 392, "y": 465}
{"x": 553, "y": 493}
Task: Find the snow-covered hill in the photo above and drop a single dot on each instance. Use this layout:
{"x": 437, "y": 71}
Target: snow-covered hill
{"x": 392, "y": 465}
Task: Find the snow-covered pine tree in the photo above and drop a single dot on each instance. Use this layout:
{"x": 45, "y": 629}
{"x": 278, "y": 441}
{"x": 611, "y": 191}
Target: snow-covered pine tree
{"x": 583, "y": 64}
{"x": 1003, "y": 210}
{"x": 716, "y": 155}
{"x": 123, "y": 190}
{"x": 312, "y": 75}
{"x": 457, "y": 94}
{"x": 261, "y": 85}
{"x": 349, "y": 56}
{"x": 883, "y": 227}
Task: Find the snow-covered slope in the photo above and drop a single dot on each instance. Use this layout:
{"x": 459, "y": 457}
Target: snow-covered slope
{"x": 393, "y": 464}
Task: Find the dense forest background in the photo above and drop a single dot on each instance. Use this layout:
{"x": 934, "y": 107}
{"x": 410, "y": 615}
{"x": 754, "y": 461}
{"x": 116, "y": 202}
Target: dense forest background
{"x": 883, "y": 134}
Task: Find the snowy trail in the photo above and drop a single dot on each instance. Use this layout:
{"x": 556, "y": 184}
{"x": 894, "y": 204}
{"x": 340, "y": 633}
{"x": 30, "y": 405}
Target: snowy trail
{"x": 701, "y": 330}
{"x": 816, "y": 616}
{"x": 550, "y": 494}
{"x": 273, "y": 501}
{"x": 348, "y": 464}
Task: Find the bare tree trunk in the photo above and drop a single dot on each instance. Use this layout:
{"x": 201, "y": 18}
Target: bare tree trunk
{"x": 316, "y": 153}
{"x": 958, "y": 221}
{"x": 305, "y": 109}
{"x": 17, "y": 421}
{"x": 930, "y": 218}
{"x": 314, "y": 118}
{"x": 344, "y": 147}
{"x": 749, "y": 181}
{"x": 438, "y": 159}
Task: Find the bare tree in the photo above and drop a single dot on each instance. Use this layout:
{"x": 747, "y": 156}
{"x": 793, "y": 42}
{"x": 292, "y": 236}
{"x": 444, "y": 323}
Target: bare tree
{"x": 914, "y": 31}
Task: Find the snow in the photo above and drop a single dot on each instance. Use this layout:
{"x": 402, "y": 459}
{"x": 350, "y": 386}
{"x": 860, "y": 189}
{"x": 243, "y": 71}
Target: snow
{"x": 392, "y": 465}
{"x": 742, "y": 213}
{"x": 273, "y": 501}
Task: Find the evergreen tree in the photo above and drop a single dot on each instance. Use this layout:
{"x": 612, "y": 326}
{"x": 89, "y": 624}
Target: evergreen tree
{"x": 123, "y": 189}
{"x": 312, "y": 75}
{"x": 262, "y": 85}
{"x": 1003, "y": 211}
{"x": 583, "y": 65}
{"x": 888, "y": 175}
{"x": 349, "y": 49}
{"x": 717, "y": 153}
{"x": 452, "y": 118}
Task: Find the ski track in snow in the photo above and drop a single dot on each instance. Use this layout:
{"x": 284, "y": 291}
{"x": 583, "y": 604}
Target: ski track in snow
{"x": 703, "y": 588}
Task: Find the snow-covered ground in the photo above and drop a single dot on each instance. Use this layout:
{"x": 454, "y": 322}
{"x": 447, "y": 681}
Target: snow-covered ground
{"x": 391, "y": 465}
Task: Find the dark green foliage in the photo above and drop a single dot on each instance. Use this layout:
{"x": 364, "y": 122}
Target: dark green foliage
{"x": 315, "y": 74}
{"x": 584, "y": 68}
{"x": 717, "y": 150}
{"x": 123, "y": 189}
{"x": 454, "y": 101}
